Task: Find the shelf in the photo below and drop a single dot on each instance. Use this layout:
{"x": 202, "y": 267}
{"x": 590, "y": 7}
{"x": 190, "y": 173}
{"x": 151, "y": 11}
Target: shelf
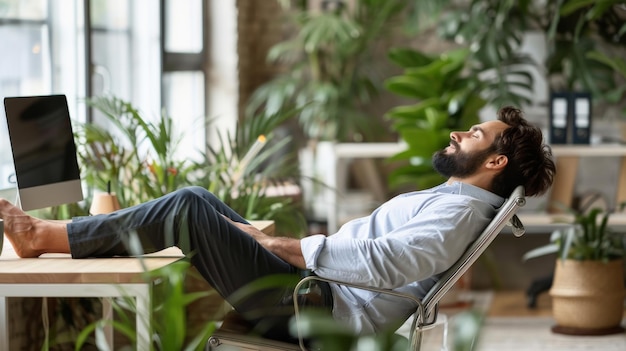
{"x": 375, "y": 150}
{"x": 367, "y": 150}
{"x": 608, "y": 150}
{"x": 567, "y": 158}
{"x": 546, "y": 223}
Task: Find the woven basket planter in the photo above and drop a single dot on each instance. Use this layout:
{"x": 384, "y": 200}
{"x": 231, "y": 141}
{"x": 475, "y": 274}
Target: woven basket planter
{"x": 588, "y": 296}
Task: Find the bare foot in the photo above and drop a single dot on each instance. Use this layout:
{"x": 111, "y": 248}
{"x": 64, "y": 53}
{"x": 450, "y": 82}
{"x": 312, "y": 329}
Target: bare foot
{"x": 20, "y": 229}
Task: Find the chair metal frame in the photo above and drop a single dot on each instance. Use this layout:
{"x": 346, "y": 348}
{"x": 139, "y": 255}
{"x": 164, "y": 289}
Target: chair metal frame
{"x": 428, "y": 307}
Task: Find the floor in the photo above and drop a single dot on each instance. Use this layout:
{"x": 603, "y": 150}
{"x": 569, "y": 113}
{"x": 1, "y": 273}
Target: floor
{"x": 533, "y": 333}
{"x": 510, "y": 325}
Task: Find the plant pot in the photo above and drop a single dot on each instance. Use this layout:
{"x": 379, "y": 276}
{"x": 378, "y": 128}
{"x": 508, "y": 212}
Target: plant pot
{"x": 588, "y": 297}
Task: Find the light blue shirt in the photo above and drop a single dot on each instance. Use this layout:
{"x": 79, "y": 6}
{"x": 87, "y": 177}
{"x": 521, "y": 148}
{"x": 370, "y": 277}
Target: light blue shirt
{"x": 403, "y": 245}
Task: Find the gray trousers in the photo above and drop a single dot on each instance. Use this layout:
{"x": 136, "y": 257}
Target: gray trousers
{"x": 191, "y": 219}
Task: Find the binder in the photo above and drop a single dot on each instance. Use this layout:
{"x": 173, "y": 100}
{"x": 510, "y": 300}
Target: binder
{"x": 581, "y": 132}
{"x": 560, "y": 112}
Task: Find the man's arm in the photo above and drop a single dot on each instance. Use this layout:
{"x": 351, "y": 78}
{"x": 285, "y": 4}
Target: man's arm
{"x": 286, "y": 248}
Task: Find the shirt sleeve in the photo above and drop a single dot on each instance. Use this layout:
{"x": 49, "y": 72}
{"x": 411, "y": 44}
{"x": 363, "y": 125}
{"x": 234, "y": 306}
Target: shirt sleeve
{"x": 427, "y": 244}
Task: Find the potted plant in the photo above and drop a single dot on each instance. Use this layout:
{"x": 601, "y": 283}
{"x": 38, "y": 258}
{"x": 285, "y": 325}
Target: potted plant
{"x": 139, "y": 159}
{"x": 584, "y": 45}
{"x": 493, "y": 32}
{"x": 588, "y": 286}
{"x": 582, "y": 34}
{"x": 330, "y": 67}
{"x": 445, "y": 99}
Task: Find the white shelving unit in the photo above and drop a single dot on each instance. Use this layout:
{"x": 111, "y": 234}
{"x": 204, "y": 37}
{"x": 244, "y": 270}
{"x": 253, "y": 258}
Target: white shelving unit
{"x": 600, "y": 150}
{"x": 567, "y": 159}
{"x": 567, "y": 163}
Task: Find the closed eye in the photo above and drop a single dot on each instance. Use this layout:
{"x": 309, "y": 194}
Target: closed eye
{"x": 478, "y": 132}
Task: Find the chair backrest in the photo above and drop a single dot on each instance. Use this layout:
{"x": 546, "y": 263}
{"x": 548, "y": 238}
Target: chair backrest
{"x": 506, "y": 215}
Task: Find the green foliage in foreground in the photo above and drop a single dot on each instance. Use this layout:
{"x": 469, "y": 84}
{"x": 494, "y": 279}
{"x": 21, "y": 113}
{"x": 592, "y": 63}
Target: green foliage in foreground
{"x": 168, "y": 318}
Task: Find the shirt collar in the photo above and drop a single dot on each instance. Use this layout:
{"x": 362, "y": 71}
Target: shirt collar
{"x": 470, "y": 190}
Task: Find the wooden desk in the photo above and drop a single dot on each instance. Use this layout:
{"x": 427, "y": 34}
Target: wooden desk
{"x": 58, "y": 275}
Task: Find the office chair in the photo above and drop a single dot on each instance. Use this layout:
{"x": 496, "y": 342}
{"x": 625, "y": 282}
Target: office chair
{"x": 426, "y": 311}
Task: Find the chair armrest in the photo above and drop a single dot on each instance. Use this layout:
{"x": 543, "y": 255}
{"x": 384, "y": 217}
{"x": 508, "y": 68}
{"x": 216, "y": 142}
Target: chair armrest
{"x": 418, "y": 315}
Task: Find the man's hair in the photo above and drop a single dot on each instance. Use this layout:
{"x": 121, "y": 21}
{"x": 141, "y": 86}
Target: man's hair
{"x": 530, "y": 160}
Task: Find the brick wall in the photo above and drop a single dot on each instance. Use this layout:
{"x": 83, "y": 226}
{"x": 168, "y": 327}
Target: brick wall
{"x": 260, "y": 26}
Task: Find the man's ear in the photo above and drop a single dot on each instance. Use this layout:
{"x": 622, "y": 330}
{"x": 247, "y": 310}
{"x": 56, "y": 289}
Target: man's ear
{"x": 497, "y": 162}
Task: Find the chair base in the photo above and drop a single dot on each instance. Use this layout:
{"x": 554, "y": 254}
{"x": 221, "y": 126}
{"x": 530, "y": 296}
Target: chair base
{"x": 223, "y": 341}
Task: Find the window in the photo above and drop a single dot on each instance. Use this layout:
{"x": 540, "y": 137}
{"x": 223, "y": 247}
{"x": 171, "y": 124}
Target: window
{"x": 184, "y": 74}
{"x": 25, "y": 33}
{"x": 95, "y": 47}
{"x": 111, "y": 40}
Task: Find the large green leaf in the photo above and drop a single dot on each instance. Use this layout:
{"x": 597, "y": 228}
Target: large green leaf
{"x": 415, "y": 113}
{"x": 470, "y": 112}
{"x": 433, "y": 70}
{"x": 437, "y": 119}
{"x": 571, "y": 6}
{"x": 424, "y": 142}
{"x": 322, "y": 29}
{"x": 411, "y": 86}
{"x": 406, "y": 58}
{"x": 408, "y": 113}
{"x": 618, "y": 64}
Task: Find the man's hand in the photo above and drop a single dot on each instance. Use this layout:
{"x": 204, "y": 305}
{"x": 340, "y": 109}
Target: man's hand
{"x": 286, "y": 248}
{"x": 249, "y": 229}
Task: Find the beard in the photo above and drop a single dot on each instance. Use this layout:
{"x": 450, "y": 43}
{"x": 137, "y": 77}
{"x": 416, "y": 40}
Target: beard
{"x": 459, "y": 164}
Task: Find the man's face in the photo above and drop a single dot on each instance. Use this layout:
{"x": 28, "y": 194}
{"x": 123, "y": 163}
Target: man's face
{"x": 467, "y": 151}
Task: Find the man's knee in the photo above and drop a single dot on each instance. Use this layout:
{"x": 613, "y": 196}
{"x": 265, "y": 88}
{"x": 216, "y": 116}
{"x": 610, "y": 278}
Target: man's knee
{"x": 198, "y": 190}
{"x": 191, "y": 193}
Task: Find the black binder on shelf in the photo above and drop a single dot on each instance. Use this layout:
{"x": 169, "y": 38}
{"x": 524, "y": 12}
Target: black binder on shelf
{"x": 560, "y": 112}
{"x": 581, "y": 117}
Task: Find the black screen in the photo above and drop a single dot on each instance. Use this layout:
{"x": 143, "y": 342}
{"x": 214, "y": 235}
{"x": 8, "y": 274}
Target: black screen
{"x": 42, "y": 140}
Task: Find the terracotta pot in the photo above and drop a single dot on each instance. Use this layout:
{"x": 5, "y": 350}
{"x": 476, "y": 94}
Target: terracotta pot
{"x": 588, "y": 294}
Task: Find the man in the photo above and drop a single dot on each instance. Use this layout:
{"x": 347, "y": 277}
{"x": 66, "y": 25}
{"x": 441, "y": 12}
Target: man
{"x": 404, "y": 244}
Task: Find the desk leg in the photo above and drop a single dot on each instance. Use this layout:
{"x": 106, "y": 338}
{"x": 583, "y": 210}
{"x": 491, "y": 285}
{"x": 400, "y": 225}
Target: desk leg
{"x": 144, "y": 317}
{"x": 107, "y": 314}
{"x": 141, "y": 293}
{"x": 4, "y": 323}
{"x": 621, "y": 184}
{"x": 332, "y": 191}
